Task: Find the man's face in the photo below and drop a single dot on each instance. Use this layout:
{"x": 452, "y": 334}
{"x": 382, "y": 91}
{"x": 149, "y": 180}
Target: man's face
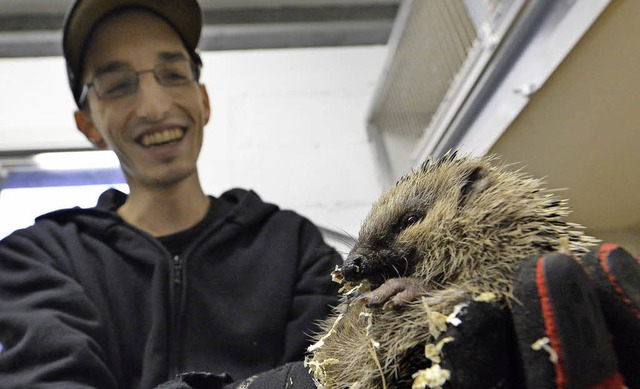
{"x": 157, "y": 131}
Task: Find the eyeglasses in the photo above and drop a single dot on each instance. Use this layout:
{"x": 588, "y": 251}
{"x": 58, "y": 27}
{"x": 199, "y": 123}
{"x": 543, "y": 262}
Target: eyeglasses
{"x": 120, "y": 83}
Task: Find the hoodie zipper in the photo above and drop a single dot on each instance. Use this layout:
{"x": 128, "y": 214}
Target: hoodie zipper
{"x": 174, "y": 346}
{"x": 177, "y": 277}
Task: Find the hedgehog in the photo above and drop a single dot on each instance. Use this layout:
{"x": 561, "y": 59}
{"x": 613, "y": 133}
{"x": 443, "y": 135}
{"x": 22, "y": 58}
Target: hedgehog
{"x": 448, "y": 232}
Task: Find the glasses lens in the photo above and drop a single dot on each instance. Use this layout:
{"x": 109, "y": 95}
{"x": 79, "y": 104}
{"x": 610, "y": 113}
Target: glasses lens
{"x": 174, "y": 73}
{"x": 115, "y": 84}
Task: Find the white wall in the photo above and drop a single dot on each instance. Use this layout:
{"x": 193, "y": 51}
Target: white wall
{"x": 291, "y": 125}
{"x": 36, "y": 105}
{"x": 288, "y": 123}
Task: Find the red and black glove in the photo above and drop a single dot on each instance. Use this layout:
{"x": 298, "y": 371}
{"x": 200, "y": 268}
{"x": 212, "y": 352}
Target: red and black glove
{"x": 578, "y": 324}
{"x": 616, "y": 275}
{"x": 575, "y": 324}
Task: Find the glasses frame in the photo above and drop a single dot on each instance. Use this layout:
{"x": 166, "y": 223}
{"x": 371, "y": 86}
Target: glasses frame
{"x": 194, "y": 77}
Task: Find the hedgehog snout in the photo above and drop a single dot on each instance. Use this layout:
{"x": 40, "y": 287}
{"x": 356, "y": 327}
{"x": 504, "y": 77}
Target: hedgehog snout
{"x": 352, "y": 268}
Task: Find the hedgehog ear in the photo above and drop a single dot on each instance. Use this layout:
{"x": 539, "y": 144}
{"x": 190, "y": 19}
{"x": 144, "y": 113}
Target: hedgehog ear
{"x": 476, "y": 180}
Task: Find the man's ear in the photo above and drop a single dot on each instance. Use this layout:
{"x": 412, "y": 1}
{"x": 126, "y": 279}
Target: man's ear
{"x": 206, "y": 103}
{"x": 86, "y": 127}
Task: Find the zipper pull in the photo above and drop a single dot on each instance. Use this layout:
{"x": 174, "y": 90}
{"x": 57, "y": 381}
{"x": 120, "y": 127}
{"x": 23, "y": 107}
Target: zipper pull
{"x": 177, "y": 266}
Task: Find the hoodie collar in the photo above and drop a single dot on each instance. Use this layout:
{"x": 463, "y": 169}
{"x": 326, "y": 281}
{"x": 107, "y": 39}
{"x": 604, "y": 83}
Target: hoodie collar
{"x": 245, "y": 208}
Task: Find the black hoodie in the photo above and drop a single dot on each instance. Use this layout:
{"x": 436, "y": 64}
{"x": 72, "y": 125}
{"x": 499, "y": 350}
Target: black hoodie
{"x": 87, "y": 300}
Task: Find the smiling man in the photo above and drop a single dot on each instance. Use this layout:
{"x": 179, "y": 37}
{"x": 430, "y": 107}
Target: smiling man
{"x": 166, "y": 280}
{"x": 141, "y": 99}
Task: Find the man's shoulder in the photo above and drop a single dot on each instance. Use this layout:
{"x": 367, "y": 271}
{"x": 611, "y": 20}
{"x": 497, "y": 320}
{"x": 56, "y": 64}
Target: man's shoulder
{"x": 59, "y": 224}
{"x": 247, "y": 207}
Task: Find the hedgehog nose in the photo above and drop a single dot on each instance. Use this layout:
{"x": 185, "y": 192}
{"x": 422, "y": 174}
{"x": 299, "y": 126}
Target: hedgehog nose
{"x": 352, "y": 268}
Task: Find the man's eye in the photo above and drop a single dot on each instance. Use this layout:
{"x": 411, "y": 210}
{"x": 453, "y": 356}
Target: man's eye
{"x": 118, "y": 87}
{"x": 171, "y": 76}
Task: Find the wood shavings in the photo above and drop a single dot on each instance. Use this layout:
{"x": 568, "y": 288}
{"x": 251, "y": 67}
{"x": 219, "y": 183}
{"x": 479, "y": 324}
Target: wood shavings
{"x": 317, "y": 367}
{"x": 336, "y": 275}
{"x": 374, "y": 346}
{"x": 320, "y": 342}
{"x": 369, "y": 322}
{"x": 453, "y": 316}
{"x": 437, "y": 321}
{"x": 433, "y": 377}
{"x": 543, "y": 344}
{"x": 318, "y": 370}
{"x": 369, "y": 317}
{"x": 352, "y": 290}
{"x": 432, "y": 351}
{"x": 484, "y": 297}
{"x": 374, "y": 355}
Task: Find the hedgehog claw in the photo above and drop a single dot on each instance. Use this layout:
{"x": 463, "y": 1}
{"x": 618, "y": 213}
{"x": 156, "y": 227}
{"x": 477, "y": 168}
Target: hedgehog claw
{"x": 393, "y": 294}
{"x": 390, "y": 305}
{"x": 360, "y": 300}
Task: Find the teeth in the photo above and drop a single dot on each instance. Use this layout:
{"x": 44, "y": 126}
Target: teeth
{"x": 162, "y": 137}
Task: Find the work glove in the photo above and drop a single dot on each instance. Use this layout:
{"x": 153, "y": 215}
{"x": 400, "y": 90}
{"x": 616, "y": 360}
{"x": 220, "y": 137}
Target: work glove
{"x": 560, "y": 326}
{"x": 616, "y": 275}
{"x": 575, "y": 323}
{"x": 293, "y": 375}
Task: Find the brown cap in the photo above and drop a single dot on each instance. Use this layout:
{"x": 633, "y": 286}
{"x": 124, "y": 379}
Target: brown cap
{"x": 184, "y": 15}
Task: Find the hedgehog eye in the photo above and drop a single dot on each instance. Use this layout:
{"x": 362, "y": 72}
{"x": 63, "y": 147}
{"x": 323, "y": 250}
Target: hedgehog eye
{"x": 409, "y": 220}
{"x": 406, "y": 221}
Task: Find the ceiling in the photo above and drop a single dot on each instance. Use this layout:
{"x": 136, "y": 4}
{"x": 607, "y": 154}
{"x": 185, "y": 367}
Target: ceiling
{"x": 32, "y": 27}
{"x": 60, "y": 6}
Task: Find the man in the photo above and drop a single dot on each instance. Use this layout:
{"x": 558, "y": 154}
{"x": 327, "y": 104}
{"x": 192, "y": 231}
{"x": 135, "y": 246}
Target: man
{"x": 165, "y": 280}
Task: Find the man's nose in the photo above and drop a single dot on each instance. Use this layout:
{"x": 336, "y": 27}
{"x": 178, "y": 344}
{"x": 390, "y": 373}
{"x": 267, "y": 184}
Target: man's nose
{"x": 152, "y": 99}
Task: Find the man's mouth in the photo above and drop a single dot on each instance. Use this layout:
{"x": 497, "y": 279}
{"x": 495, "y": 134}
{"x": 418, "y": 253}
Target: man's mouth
{"x": 162, "y": 137}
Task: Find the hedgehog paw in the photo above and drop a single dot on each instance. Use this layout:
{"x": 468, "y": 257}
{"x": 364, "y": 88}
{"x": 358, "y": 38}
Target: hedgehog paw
{"x": 393, "y": 293}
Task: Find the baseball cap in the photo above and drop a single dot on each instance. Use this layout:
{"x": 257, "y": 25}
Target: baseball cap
{"x": 184, "y": 15}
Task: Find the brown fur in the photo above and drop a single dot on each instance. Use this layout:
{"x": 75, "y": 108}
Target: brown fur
{"x": 472, "y": 221}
